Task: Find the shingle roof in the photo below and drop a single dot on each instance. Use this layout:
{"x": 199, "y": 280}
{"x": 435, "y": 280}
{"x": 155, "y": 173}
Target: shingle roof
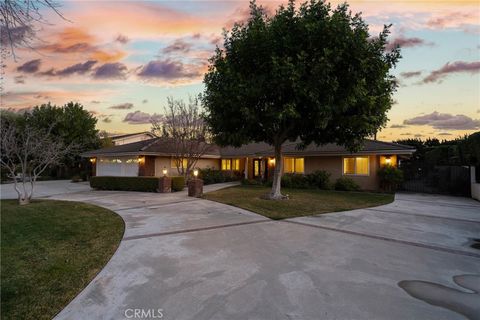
{"x": 165, "y": 147}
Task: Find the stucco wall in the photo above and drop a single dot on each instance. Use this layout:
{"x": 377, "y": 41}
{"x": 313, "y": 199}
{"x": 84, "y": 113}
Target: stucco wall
{"x": 334, "y": 165}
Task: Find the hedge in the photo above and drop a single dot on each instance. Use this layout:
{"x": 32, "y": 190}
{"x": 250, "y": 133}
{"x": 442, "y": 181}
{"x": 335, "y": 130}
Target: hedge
{"x": 346, "y": 184}
{"x": 145, "y": 184}
{"x": 178, "y": 183}
{"x": 210, "y": 176}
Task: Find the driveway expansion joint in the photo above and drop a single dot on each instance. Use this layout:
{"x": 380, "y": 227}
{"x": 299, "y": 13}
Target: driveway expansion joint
{"x": 167, "y": 233}
{"x": 423, "y": 215}
{"x": 372, "y": 236}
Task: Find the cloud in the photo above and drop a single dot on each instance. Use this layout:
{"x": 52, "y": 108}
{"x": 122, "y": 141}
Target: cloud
{"x": 418, "y": 135}
{"x": 107, "y": 119}
{"x": 406, "y": 134}
{"x": 144, "y": 101}
{"x": 79, "y": 68}
{"x": 404, "y": 42}
{"x": 114, "y": 70}
{"x": 31, "y": 66}
{"x": 123, "y": 106}
{"x": 410, "y": 74}
{"x": 449, "y": 68}
{"x": 139, "y": 117}
{"x": 122, "y": 39}
{"x": 167, "y": 70}
{"x": 95, "y": 101}
{"x": 444, "y": 134}
{"x": 463, "y": 20}
{"x": 398, "y": 126}
{"x": 178, "y": 45}
{"x": 445, "y": 121}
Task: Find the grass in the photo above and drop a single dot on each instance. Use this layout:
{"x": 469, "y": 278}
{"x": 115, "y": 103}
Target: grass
{"x": 50, "y": 250}
{"x": 302, "y": 202}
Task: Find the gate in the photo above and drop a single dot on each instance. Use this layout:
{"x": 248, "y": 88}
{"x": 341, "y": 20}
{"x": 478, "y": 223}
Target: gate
{"x": 453, "y": 180}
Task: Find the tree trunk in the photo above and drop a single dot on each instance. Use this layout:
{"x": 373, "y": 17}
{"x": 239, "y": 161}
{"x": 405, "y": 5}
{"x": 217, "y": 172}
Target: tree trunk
{"x": 275, "y": 193}
{"x": 23, "y": 200}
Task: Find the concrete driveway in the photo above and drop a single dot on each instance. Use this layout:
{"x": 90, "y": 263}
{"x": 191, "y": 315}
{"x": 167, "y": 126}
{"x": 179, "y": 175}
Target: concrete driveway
{"x": 197, "y": 259}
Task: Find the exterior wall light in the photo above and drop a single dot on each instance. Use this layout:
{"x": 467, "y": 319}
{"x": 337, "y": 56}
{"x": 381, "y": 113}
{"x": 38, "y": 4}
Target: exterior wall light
{"x": 195, "y": 173}
{"x": 141, "y": 160}
{"x": 272, "y": 161}
{"x": 388, "y": 160}
{"x": 93, "y": 160}
{"x": 164, "y": 171}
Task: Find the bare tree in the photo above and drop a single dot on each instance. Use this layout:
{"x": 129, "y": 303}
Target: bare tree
{"x": 184, "y": 130}
{"x": 18, "y": 19}
{"x": 26, "y": 152}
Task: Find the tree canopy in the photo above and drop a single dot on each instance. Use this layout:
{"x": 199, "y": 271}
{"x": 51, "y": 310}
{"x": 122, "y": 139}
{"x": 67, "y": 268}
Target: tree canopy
{"x": 311, "y": 73}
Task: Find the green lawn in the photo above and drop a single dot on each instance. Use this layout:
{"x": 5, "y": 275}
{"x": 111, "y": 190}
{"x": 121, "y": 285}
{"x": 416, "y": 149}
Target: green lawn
{"x": 302, "y": 202}
{"x": 50, "y": 250}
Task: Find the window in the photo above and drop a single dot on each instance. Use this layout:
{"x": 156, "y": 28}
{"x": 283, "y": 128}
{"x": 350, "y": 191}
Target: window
{"x": 356, "y": 166}
{"x": 226, "y": 164}
{"x": 230, "y": 164}
{"x": 293, "y": 165}
{"x": 235, "y": 164}
{"x": 174, "y": 163}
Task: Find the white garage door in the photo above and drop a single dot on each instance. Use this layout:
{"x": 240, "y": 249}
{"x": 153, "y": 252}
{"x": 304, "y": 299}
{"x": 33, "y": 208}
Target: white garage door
{"x": 120, "y": 166}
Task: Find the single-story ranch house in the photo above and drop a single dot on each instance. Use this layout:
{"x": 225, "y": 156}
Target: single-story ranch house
{"x": 256, "y": 160}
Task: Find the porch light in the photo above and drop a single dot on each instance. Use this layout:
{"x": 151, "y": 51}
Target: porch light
{"x": 195, "y": 173}
{"x": 141, "y": 159}
{"x": 388, "y": 160}
{"x": 164, "y": 171}
{"x": 272, "y": 161}
{"x": 92, "y": 160}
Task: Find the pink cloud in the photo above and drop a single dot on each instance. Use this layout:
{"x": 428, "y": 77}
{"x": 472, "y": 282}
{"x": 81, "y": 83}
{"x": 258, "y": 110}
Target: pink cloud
{"x": 451, "y": 68}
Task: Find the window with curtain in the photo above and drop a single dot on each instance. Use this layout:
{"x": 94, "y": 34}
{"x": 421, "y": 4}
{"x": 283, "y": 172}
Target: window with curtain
{"x": 356, "y": 166}
{"x": 235, "y": 164}
{"x": 226, "y": 164}
{"x": 174, "y": 163}
{"x": 293, "y": 165}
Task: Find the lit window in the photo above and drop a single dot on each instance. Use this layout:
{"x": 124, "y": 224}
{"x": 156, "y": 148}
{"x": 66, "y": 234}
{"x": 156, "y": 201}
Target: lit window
{"x": 235, "y": 164}
{"x": 226, "y": 164}
{"x": 174, "y": 163}
{"x": 294, "y": 165}
{"x": 356, "y": 166}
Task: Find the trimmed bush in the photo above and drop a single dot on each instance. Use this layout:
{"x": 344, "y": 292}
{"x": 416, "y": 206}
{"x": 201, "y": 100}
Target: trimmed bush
{"x": 295, "y": 181}
{"x": 346, "y": 184}
{"x": 210, "y": 176}
{"x": 145, "y": 184}
{"x": 390, "y": 178}
{"x": 319, "y": 179}
{"x": 178, "y": 183}
{"x": 253, "y": 182}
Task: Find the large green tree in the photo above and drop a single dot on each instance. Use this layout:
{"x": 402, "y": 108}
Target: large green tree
{"x": 312, "y": 74}
{"x": 72, "y": 124}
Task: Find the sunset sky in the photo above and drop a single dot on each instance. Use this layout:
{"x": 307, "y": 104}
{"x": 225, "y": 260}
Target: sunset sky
{"x": 122, "y": 60}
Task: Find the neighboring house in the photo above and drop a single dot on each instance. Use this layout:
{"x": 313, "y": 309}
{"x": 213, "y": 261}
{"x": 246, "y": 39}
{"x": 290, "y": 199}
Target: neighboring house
{"x": 131, "y": 137}
{"x": 255, "y": 160}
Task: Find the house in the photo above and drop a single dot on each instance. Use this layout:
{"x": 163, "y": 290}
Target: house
{"x": 131, "y": 137}
{"x": 255, "y": 160}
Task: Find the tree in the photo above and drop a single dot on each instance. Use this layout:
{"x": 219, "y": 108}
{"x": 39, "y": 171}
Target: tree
{"x": 17, "y": 20}
{"x": 312, "y": 74}
{"x": 72, "y": 124}
{"x": 184, "y": 129}
{"x": 26, "y": 152}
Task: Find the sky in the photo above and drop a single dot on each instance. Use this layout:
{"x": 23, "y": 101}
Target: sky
{"x": 122, "y": 59}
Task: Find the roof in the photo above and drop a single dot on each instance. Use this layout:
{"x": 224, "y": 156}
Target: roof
{"x": 122, "y": 136}
{"x": 154, "y": 146}
{"x": 165, "y": 147}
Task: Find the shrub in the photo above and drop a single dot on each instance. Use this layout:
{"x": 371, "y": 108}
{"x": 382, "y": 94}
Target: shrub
{"x": 319, "y": 179}
{"x": 178, "y": 183}
{"x": 346, "y": 184}
{"x": 145, "y": 184}
{"x": 390, "y": 178}
{"x": 295, "y": 181}
{"x": 210, "y": 176}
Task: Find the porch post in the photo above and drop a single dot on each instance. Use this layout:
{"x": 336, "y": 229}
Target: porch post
{"x": 246, "y": 168}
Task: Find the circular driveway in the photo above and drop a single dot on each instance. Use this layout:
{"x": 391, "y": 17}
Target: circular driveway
{"x": 187, "y": 258}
